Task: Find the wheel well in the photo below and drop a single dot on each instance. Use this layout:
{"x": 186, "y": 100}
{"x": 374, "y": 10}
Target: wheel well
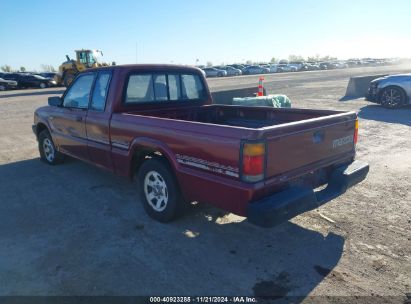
{"x": 40, "y": 128}
{"x": 140, "y": 155}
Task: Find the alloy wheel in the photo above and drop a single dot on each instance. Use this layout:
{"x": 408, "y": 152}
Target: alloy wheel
{"x": 48, "y": 149}
{"x": 155, "y": 190}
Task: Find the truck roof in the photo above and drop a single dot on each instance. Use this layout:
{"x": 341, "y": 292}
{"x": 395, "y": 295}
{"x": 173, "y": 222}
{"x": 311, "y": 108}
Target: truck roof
{"x": 127, "y": 67}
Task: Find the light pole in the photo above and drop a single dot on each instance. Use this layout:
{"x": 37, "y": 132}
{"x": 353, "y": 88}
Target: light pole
{"x": 136, "y": 52}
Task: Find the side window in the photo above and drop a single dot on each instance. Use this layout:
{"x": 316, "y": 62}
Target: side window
{"x": 79, "y": 93}
{"x": 140, "y": 88}
{"x": 160, "y": 87}
{"x": 174, "y": 88}
{"x": 192, "y": 87}
{"x": 98, "y": 100}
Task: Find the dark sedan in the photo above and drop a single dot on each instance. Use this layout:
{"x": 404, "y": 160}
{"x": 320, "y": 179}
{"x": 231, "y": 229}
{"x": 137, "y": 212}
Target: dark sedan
{"x": 327, "y": 66}
{"x": 7, "y": 84}
{"x": 30, "y": 81}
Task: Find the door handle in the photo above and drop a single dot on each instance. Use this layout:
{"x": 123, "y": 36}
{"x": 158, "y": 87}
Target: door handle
{"x": 79, "y": 118}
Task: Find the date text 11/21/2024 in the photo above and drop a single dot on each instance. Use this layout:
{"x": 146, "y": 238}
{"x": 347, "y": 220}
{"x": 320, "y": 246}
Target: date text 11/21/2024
{"x": 205, "y": 299}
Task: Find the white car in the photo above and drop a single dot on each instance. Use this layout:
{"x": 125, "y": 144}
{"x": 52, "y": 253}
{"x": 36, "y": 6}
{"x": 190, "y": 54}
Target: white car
{"x": 214, "y": 72}
{"x": 231, "y": 71}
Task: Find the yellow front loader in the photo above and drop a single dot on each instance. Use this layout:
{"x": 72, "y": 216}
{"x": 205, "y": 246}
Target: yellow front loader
{"x": 85, "y": 59}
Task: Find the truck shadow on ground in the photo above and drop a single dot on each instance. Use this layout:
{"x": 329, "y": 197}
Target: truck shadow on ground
{"x": 379, "y": 113}
{"x": 31, "y": 93}
{"x": 76, "y": 230}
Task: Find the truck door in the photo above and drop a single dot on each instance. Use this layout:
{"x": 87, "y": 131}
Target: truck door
{"x": 98, "y": 123}
{"x": 69, "y": 121}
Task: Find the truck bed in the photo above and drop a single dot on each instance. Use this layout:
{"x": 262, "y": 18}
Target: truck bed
{"x": 237, "y": 116}
{"x": 297, "y": 141}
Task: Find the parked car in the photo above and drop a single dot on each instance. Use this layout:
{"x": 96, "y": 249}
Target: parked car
{"x": 340, "y": 64}
{"x": 299, "y": 65}
{"x": 48, "y": 75}
{"x": 286, "y": 68}
{"x": 231, "y": 71}
{"x": 157, "y": 124}
{"x": 273, "y": 68}
{"x": 7, "y": 84}
{"x": 237, "y": 66}
{"x": 352, "y": 63}
{"x": 256, "y": 69}
{"x": 390, "y": 91}
{"x": 25, "y": 80}
{"x": 311, "y": 66}
{"x": 214, "y": 72}
{"x": 327, "y": 65}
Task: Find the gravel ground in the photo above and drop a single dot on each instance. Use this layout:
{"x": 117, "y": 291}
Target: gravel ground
{"x": 74, "y": 229}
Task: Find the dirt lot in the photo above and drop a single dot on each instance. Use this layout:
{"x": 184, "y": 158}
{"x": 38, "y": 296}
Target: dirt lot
{"x": 74, "y": 229}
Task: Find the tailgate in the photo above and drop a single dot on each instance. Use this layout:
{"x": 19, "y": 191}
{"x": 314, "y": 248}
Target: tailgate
{"x": 303, "y": 146}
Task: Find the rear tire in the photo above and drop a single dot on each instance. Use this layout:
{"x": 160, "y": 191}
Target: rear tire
{"x": 159, "y": 191}
{"x": 392, "y": 97}
{"x": 47, "y": 149}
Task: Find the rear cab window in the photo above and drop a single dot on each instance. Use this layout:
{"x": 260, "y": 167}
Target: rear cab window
{"x": 164, "y": 87}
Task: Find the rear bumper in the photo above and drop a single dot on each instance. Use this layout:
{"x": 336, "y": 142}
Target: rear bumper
{"x": 282, "y": 206}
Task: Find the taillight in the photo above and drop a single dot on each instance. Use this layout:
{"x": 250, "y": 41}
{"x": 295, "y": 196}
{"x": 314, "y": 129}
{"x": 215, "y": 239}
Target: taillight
{"x": 253, "y": 162}
{"x": 356, "y": 132}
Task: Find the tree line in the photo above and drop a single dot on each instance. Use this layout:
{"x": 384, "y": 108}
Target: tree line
{"x": 315, "y": 58}
{"x": 43, "y": 67}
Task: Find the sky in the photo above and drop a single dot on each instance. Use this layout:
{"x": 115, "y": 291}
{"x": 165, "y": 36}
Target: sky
{"x": 218, "y": 31}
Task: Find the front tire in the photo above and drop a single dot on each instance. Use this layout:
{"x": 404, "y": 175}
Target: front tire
{"x": 47, "y": 149}
{"x": 392, "y": 97}
{"x": 159, "y": 191}
{"x": 43, "y": 85}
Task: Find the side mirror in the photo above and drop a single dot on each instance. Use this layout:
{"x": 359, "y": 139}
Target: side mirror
{"x": 55, "y": 101}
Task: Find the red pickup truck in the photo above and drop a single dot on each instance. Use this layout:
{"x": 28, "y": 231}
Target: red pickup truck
{"x": 157, "y": 124}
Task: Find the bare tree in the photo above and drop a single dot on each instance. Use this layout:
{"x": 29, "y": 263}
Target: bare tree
{"x": 209, "y": 64}
{"x": 295, "y": 58}
{"x": 249, "y": 62}
{"x": 313, "y": 58}
{"x": 6, "y": 68}
{"x": 22, "y": 69}
{"x": 47, "y": 68}
{"x": 274, "y": 60}
{"x": 328, "y": 58}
